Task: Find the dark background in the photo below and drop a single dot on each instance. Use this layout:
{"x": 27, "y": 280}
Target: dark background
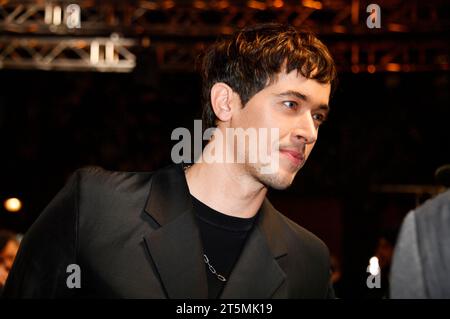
{"x": 385, "y": 128}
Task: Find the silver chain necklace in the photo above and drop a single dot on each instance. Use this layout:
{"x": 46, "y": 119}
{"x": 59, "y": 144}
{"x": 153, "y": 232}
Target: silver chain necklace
{"x": 212, "y": 269}
{"x": 205, "y": 258}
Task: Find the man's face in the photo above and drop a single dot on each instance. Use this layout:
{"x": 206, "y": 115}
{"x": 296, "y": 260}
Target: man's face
{"x": 296, "y": 106}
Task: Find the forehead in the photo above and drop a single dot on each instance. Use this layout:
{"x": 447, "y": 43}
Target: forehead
{"x": 319, "y": 93}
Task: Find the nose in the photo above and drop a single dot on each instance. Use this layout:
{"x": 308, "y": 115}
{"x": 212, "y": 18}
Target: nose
{"x": 305, "y": 131}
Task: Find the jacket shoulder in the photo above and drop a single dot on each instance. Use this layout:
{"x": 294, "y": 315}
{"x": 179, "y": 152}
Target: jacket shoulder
{"x": 96, "y": 182}
{"x": 96, "y": 175}
{"x": 304, "y": 245}
{"x": 103, "y": 194}
{"x": 297, "y": 233}
{"x": 308, "y": 260}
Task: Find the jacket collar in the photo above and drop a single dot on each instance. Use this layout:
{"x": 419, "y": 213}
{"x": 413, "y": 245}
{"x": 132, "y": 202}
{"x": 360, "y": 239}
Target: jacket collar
{"x": 176, "y": 250}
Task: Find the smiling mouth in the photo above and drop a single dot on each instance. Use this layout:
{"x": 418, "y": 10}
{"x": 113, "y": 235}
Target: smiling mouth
{"x": 295, "y": 157}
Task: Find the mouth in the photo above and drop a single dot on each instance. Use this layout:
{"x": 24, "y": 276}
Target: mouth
{"x": 296, "y": 158}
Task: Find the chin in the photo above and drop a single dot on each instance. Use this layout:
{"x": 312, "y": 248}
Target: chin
{"x": 278, "y": 185}
{"x": 278, "y": 180}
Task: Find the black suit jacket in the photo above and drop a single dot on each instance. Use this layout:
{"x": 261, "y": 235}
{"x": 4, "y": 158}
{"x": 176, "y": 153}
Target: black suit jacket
{"x": 134, "y": 235}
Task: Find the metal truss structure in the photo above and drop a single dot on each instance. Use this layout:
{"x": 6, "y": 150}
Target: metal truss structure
{"x": 52, "y": 34}
{"x": 79, "y": 54}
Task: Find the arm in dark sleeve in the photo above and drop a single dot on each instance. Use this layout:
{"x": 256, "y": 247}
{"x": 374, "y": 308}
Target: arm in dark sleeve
{"x": 406, "y": 278}
{"x": 49, "y": 246}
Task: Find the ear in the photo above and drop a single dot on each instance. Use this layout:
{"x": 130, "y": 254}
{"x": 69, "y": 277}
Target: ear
{"x": 222, "y": 101}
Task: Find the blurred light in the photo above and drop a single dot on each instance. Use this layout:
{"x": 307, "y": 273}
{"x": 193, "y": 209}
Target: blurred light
{"x": 355, "y": 11}
{"x": 149, "y": 5}
{"x": 48, "y": 14}
{"x": 80, "y": 44}
{"x": 278, "y": 3}
{"x": 312, "y": 4}
{"x": 374, "y": 267}
{"x": 256, "y": 5}
{"x": 146, "y": 42}
{"x": 393, "y": 67}
{"x": 355, "y": 68}
{"x": 168, "y": 4}
{"x": 12, "y": 205}
{"x": 57, "y": 15}
{"x": 339, "y": 28}
{"x": 223, "y": 4}
{"x": 227, "y": 30}
{"x": 109, "y": 52}
{"x": 397, "y": 27}
{"x": 33, "y": 28}
{"x": 199, "y": 4}
{"x": 114, "y": 36}
{"x": 95, "y": 52}
{"x": 371, "y": 68}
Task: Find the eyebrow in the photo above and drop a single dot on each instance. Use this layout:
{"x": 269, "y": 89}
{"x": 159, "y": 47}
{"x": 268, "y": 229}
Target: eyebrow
{"x": 302, "y": 97}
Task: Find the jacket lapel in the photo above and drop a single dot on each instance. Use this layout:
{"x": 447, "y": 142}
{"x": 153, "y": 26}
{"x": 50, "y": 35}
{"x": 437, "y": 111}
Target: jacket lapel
{"x": 176, "y": 250}
{"x": 257, "y": 273}
{"x": 175, "y": 246}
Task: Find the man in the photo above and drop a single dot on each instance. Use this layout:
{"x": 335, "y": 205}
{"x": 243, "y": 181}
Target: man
{"x": 205, "y": 231}
{"x": 421, "y": 258}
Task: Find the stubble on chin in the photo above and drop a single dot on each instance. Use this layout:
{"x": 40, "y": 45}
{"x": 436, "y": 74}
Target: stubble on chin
{"x": 278, "y": 180}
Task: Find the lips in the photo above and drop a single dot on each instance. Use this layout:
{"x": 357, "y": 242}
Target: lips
{"x": 296, "y": 158}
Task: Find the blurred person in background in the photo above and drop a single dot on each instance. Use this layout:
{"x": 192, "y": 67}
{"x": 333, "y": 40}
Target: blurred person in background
{"x": 384, "y": 251}
{"x": 421, "y": 262}
{"x": 9, "y": 245}
{"x": 336, "y": 275}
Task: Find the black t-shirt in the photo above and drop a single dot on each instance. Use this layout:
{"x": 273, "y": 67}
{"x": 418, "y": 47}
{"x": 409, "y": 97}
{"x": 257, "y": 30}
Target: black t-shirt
{"x": 223, "y": 238}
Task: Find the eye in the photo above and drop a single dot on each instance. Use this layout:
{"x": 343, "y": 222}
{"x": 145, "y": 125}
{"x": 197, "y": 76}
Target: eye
{"x": 319, "y": 117}
{"x": 290, "y": 104}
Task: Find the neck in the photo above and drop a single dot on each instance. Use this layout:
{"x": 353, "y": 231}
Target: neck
{"x": 226, "y": 187}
